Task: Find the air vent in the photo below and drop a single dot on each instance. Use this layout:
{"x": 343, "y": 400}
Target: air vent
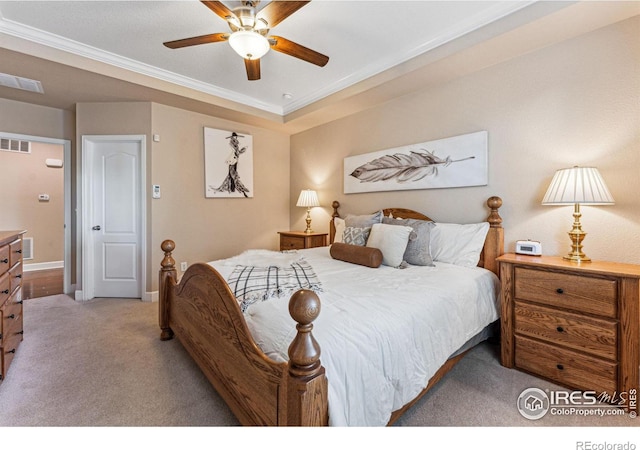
{"x": 15, "y": 145}
{"x": 27, "y": 248}
{"x": 25, "y": 84}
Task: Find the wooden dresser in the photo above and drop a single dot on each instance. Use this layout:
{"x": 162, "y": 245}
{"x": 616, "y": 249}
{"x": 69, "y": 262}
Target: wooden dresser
{"x": 297, "y": 240}
{"x": 11, "y": 330}
{"x": 574, "y": 324}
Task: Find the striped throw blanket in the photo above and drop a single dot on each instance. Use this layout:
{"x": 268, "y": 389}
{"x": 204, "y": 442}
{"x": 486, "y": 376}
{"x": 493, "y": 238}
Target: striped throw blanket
{"x": 256, "y": 283}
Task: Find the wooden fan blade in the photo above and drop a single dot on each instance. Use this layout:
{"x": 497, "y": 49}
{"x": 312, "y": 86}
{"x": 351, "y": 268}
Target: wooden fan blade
{"x": 253, "y": 69}
{"x": 288, "y": 47}
{"x": 276, "y": 11}
{"x": 197, "y": 40}
{"x": 219, "y": 9}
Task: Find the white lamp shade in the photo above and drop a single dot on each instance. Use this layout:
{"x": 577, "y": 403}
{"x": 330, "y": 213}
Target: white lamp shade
{"x": 249, "y": 44}
{"x": 308, "y": 199}
{"x": 582, "y": 185}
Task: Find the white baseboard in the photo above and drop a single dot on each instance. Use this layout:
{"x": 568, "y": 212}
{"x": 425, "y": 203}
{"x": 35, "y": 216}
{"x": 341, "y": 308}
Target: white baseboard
{"x": 43, "y": 266}
{"x": 150, "y": 296}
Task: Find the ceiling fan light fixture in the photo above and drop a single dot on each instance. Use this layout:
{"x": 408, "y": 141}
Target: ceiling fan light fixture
{"x": 249, "y": 44}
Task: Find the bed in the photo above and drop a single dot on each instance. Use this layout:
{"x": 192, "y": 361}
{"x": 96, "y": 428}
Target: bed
{"x": 283, "y": 378}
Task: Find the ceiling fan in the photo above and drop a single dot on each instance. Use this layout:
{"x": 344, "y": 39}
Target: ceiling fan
{"x": 249, "y": 35}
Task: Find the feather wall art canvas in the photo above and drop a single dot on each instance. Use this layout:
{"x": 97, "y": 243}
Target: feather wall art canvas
{"x": 457, "y": 161}
{"x": 228, "y": 161}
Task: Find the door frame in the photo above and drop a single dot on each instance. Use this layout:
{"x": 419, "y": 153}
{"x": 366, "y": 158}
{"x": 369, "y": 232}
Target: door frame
{"x": 87, "y": 201}
{"x": 66, "y": 167}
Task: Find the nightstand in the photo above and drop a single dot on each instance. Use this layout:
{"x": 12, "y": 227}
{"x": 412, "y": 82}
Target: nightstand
{"x": 297, "y": 240}
{"x": 576, "y": 324}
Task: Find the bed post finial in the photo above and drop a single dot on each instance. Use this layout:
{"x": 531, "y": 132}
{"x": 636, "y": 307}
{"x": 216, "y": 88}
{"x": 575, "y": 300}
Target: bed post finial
{"x": 304, "y": 351}
{"x": 167, "y": 274}
{"x": 335, "y": 205}
{"x": 168, "y": 262}
{"x": 494, "y": 203}
{"x": 307, "y": 382}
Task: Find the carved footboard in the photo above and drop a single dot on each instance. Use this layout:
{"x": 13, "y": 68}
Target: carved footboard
{"x": 205, "y": 316}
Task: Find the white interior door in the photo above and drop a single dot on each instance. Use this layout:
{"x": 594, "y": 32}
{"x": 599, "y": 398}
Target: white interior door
{"x": 112, "y": 227}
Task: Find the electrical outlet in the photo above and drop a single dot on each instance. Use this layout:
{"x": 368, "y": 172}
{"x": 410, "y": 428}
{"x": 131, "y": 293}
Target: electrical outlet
{"x": 183, "y": 266}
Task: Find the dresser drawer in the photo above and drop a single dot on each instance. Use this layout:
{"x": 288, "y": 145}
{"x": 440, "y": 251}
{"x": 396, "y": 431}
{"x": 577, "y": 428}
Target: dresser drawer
{"x": 589, "y": 334}
{"x": 15, "y": 276}
{"x": 291, "y": 243}
{"x": 8, "y": 351}
{"x": 11, "y": 317}
{"x": 567, "y": 291}
{"x": 565, "y": 366}
{"x": 4, "y": 259}
{"x": 15, "y": 252}
{"x": 5, "y": 287}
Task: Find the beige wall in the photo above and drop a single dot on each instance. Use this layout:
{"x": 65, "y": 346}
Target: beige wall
{"x": 574, "y": 103}
{"x": 28, "y": 177}
{"x": 33, "y": 120}
{"x": 205, "y": 229}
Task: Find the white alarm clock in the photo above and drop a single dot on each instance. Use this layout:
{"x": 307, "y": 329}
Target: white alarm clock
{"x": 529, "y": 247}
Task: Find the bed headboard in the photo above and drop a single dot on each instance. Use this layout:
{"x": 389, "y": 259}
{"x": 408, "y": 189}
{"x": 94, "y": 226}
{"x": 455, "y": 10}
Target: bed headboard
{"x": 493, "y": 244}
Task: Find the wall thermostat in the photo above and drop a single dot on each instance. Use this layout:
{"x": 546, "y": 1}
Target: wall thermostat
{"x": 529, "y": 248}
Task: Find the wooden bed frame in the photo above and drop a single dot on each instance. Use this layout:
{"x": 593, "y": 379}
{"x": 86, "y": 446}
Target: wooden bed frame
{"x": 203, "y": 313}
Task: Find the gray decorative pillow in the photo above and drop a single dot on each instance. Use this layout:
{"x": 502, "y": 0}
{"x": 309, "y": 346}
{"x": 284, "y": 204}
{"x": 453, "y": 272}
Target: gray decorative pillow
{"x": 356, "y": 236}
{"x": 418, "y": 250}
{"x": 363, "y": 221}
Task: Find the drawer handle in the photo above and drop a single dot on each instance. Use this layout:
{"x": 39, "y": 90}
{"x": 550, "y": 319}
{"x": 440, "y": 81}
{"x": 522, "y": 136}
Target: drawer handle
{"x": 560, "y": 366}
{"x": 6, "y": 291}
{"x": 20, "y": 332}
{"x": 19, "y": 302}
{"x": 560, "y": 291}
{"x": 13, "y": 350}
{"x": 560, "y": 329}
{"x": 0, "y": 335}
{"x": 19, "y": 275}
{"x": 4, "y": 261}
{"x": 11, "y": 316}
{"x": 19, "y": 251}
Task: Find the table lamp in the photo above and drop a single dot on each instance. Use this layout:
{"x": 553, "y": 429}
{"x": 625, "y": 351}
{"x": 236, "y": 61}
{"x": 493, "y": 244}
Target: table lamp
{"x": 577, "y": 186}
{"x": 308, "y": 199}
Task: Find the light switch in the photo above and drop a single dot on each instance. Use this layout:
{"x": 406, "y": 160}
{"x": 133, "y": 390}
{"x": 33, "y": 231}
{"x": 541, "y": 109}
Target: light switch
{"x": 43, "y": 197}
{"x": 156, "y": 191}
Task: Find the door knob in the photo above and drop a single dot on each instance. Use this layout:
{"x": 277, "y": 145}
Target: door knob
{"x": 97, "y": 227}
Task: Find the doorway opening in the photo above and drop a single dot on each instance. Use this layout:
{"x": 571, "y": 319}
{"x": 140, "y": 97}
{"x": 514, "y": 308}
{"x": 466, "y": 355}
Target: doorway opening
{"x": 38, "y": 199}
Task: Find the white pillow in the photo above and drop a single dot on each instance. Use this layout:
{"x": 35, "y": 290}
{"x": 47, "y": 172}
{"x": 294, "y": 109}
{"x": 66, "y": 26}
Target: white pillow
{"x": 340, "y": 226}
{"x": 459, "y": 244}
{"x": 392, "y": 241}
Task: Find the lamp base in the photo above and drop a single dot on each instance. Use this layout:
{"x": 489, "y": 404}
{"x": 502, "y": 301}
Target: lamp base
{"x": 577, "y": 236}
{"x": 308, "y": 220}
{"x": 576, "y": 258}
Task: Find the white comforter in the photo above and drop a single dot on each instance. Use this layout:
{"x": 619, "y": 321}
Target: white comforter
{"x": 383, "y": 332}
